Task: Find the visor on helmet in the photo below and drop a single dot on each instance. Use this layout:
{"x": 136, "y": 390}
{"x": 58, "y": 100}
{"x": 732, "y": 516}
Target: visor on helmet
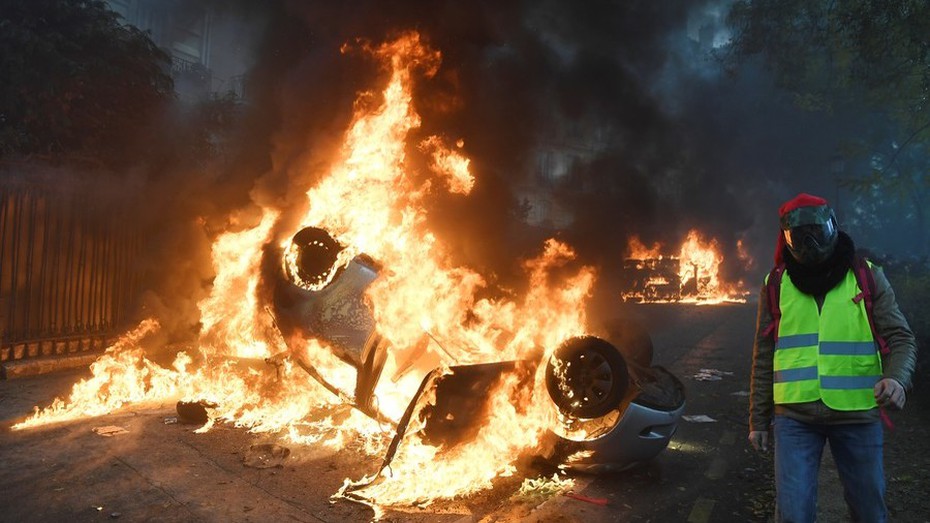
{"x": 810, "y": 233}
{"x": 806, "y": 216}
{"x": 821, "y": 234}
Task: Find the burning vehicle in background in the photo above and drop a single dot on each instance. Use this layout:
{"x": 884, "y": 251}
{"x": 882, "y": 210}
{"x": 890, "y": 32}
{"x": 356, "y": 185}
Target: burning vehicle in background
{"x": 651, "y": 275}
{"x": 651, "y": 279}
{"x": 615, "y": 409}
{"x": 660, "y": 280}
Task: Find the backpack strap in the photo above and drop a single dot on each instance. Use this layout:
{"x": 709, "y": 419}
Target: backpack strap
{"x": 866, "y": 281}
{"x": 773, "y": 292}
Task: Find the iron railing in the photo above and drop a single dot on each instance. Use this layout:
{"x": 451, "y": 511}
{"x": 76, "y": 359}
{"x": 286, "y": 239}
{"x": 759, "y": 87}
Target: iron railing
{"x": 182, "y": 65}
{"x": 67, "y": 281}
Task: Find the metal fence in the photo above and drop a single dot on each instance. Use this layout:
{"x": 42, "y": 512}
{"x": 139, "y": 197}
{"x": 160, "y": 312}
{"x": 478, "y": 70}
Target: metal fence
{"x": 66, "y": 265}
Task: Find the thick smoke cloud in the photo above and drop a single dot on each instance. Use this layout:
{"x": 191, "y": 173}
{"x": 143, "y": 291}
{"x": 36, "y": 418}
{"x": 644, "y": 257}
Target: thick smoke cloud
{"x": 518, "y": 78}
{"x": 668, "y": 141}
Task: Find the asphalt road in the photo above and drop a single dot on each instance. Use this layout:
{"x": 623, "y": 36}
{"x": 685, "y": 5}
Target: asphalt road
{"x": 166, "y": 472}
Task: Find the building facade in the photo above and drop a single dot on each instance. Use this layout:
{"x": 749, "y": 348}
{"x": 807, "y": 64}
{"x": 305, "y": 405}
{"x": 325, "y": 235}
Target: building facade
{"x": 208, "y": 55}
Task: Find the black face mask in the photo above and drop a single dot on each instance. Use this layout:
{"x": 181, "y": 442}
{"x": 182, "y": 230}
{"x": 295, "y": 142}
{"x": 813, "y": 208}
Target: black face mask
{"x": 817, "y": 280}
{"x": 812, "y": 244}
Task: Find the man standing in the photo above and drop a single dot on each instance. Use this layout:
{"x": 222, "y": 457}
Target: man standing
{"x": 824, "y": 367}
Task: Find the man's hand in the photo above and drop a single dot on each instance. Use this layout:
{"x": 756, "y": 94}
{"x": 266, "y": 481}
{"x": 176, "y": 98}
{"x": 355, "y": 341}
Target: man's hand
{"x": 889, "y": 393}
{"x": 759, "y": 440}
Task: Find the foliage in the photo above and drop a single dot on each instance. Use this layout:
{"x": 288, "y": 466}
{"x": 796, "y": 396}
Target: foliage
{"x": 894, "y": 184}
{"x": 76, "y": 81}
{"x": 828, "y": 53}
{"x": 201, "y": 133}
{"x": 911, "y": 282}
{"x": 849, "y": 57}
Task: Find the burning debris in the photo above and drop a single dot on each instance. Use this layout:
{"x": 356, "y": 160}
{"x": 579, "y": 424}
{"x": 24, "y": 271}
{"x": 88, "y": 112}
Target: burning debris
{"x": 691, "y": 276}
{"x": 110, "y": 430}
{"x": 543, "y": 488}
{"x": 359, "y": 295}
{"x": 193, "y": 412}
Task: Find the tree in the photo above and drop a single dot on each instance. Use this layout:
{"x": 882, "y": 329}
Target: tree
{"x": 893, "y": 176}
{"x": 829, "y": 53}
{"x": 76, "y": 81}
{"x": 856, "y": 55}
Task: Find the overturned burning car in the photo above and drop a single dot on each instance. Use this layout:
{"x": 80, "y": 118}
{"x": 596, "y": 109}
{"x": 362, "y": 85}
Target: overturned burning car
{"x": 615, "y": 408}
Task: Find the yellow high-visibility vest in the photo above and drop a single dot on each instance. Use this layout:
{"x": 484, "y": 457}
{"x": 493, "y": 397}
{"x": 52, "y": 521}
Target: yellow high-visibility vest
{"x": 829, "y": 354}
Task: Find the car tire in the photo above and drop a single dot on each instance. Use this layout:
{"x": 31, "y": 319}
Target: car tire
{"x": 587, "y": 377}
{"x": 317, "y": 252}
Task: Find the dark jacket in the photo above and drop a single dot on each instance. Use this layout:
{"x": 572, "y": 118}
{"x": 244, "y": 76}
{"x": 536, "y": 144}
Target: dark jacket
{"x": 899, "y": 364}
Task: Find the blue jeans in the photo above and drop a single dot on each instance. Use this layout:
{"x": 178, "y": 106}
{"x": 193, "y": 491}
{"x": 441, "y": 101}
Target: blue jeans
{"x": 857, "y": 451}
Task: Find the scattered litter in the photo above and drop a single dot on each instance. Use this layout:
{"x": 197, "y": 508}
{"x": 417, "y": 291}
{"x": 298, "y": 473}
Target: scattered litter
{"x": 711, "y": 375}
{"x": 266, "y": 456}
{"x": 597, "y": 501}
{"x": 110, "y": 430}
{"x": 699, "y": 418}
{"x": 543, "y": 488}
{"x": 115, "y": 515}
{"x": 171, "y": 420}
{"x": 740, "y": 393}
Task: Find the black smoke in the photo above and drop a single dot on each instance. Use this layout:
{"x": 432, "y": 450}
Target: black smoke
{"x": 666, "y": 141}
{"x": 525, "y": 77}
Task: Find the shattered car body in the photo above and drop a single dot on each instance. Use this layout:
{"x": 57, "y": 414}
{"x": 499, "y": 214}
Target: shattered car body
{"x": 616, "y": 409}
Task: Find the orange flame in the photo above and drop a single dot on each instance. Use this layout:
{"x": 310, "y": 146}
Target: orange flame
{"x": 236, "y": 256}
{"x": 639, "y": 251}
{"x": 372, "y": 202}
{"x": 450, "y": 164}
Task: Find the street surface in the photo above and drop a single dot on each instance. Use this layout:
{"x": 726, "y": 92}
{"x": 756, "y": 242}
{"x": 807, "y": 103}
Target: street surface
{"x": 166, "y": 472}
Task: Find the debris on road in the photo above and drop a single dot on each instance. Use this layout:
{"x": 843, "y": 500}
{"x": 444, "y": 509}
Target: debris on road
{"x": 699, "y": 418}
{"x": 110, "y": 430}
{"x": 596, "y": 501}
{"x": 711, "y": 375}
{"x": 171, "y": 420}
{"x": 266, "y": 456}
{"x": 194, "y": 412}
{"x": 542, "y": 488}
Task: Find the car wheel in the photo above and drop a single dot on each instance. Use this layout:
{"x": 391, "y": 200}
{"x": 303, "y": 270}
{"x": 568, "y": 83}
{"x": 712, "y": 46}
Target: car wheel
{"x": 315, "y": 255}
{"x": 586, "y": 377}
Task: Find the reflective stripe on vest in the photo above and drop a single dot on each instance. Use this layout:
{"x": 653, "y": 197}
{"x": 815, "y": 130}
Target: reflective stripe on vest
{"x": 829, "y": 355}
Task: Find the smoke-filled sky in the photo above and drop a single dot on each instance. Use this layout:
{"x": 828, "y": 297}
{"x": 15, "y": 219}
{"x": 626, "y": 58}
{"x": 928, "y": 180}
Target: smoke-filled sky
{"x": 670, "y": 141}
